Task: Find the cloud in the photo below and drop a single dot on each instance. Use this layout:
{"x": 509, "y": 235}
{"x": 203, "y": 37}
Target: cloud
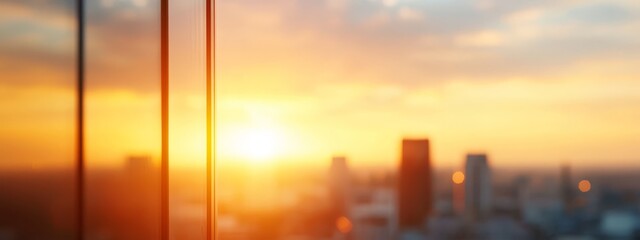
{"x": 409, "y": 14}
{"x": 38, "y": 44}
{"x": 492, "y": 43}
{"x": 389, "y": 3}
{"x": 485, "y": 38}
{"x": 358, "y": 40}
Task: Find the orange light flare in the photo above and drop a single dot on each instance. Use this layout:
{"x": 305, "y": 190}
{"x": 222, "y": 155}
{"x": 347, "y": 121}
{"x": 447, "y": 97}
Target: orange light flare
{"x": 258, "y": 144}
{"x": 584, "y": 186}
{"x": 457, "y": 177}
{"x": 344, "y": 225}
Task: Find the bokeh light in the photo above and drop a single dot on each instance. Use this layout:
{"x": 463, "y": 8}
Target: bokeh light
{"x": 584, "y": 186}
{"x": 344, "y": 225}
{"x": 457, "y": 177}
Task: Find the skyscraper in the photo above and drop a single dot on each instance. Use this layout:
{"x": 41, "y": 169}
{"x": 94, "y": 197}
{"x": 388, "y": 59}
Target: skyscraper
{"x": 566, "y": 187}
{"x": 477, "y": 186}
{"x": 339, "y": 187}
{"x": 415, "y": 197}
{"x": 138, "y": 164}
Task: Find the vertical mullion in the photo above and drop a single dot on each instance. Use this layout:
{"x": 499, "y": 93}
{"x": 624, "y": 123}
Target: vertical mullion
{"x": 209, "y": 208}
{"x": 214, "y": 127}
{"x": 164, "y": 105}
{"x": 80, "y": 161}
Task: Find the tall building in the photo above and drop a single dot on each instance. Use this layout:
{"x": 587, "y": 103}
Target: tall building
{"x": 477, "y": 187}
{"x": 136, "y": 164}
{"x": 566, "y": 187}
{"x": 415, "y": 196}
{"x": 339, "y": 187}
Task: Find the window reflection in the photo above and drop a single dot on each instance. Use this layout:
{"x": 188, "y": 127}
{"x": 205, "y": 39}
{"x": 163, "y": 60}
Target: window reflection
{"x": 187, "y": 120}
{"x": 122, "y": 120}
{"x": 37, "y": 109}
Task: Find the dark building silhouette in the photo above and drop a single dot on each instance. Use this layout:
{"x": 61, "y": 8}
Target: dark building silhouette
{"x": 566, "y": 187}
{"x": 477, "y": 187}
{"x": 36, "y": 204}
{"x": 123, "y": 203}
{"x": 415, "y": 196}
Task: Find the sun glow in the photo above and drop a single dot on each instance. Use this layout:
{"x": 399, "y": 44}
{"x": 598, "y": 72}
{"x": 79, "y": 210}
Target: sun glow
{"x": 258, "y": 144}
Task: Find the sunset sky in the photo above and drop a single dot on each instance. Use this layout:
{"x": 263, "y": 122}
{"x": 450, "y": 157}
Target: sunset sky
{"x": 532, "y": 83}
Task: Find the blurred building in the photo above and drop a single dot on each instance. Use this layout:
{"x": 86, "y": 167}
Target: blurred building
{"x": 36, "y": 205}
{"x": 114, "y": 195}
{"x": 566, "y": 187}
{"x": 340, "y": 188}
{"x": 375, "y": 219}
{"x": 138, "y": 164}
{"x": 415, "y": 194}
{"x": 522, "y": 193}
{"x": 478, "y": 190}
{"x": 619, "y": 224}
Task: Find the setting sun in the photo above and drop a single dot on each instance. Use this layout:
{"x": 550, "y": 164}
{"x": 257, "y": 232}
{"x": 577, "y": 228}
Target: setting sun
{"x": 258, "y": 144}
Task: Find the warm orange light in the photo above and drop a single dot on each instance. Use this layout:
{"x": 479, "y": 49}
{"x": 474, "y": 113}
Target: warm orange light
{"x": 584, "y": 186}
{"x": 457, "y": 177}
{"x": 344, "y": 225}
{"x": 258, "y": 144}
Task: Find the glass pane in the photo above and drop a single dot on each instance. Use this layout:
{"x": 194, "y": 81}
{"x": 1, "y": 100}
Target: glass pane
{"x": 123, "y": 120}
{"x": 37, "y": 117}
{"x": 187, "y": 120}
